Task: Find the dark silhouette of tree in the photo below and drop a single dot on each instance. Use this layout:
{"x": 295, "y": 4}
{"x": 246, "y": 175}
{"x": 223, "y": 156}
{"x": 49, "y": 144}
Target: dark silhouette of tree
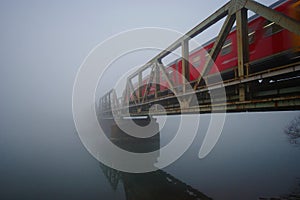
{"x": 293, "y": 131}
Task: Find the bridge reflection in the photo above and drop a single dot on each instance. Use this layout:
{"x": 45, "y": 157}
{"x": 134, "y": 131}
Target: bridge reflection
{"x": 157, "y": 185}
{"x": 152, "y": 185}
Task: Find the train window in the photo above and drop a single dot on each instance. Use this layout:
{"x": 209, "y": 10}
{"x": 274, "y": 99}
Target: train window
{"x": 196, "y": 61}
{"x": 271, "y": 28}
{"x": 251, "y": 35}
{"x": 226, "y": 49}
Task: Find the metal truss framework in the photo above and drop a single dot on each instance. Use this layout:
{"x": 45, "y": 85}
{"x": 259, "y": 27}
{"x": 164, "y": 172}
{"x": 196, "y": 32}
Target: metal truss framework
{"x": 234, "y": 11}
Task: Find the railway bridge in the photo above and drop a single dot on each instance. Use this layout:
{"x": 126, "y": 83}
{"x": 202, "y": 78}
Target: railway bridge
{"x": 268, "y": 83}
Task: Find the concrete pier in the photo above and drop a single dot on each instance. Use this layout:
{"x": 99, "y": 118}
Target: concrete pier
{"x": 128, "y": 142}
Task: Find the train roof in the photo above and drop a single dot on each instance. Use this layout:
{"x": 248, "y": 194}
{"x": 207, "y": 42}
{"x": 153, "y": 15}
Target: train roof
{"x": 250, "y": 19}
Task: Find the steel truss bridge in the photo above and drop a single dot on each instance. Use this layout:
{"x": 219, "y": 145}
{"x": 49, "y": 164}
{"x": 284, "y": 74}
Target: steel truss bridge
{"x": 276, "y": 87}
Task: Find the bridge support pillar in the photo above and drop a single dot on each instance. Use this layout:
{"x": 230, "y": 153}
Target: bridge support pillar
{"x": 115, "y": 131}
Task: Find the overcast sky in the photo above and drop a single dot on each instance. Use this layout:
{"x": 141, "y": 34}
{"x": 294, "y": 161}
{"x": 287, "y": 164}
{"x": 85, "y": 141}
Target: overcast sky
{"x": 43, "y": 43}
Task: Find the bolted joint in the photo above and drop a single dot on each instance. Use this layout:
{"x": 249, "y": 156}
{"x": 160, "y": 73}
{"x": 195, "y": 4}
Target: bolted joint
{"x": 236, "y": 5}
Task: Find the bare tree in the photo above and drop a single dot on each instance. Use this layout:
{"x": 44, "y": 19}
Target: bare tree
{"x": 293, "y": 131}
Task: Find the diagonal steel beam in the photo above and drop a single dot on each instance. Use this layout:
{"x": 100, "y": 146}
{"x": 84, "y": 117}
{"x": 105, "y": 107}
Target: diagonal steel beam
{"x": 170, "y": 82}
{"x": 217, "y": 47}
{"x": 133, "y": 92}
{"x": 115, "y": 99}
{"x": 126, "y": 95}
{"x": 274, "y": 16}
{"x": 208, "y": 22}
{"x": 147, "y": 89}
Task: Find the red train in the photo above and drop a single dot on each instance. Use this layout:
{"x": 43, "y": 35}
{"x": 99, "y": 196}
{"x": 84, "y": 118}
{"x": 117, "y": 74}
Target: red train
{"x": 267, "y": 42}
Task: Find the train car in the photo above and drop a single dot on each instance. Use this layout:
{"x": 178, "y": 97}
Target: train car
{"x": 268, "y": 42}
{"x": 295, "y": 13}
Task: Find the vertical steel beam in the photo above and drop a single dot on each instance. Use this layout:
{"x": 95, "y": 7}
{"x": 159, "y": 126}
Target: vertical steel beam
{"x": 106, "y": 102}
{"x": 157, "y": 81}
{"x": 242, "y": 47}
{"x": 185, "y": 64}
{"x": 109, "y": 100}
{"x": 100, "y": 104}
{"x": 126, "y": 98}
{"x": 140, "y": 84}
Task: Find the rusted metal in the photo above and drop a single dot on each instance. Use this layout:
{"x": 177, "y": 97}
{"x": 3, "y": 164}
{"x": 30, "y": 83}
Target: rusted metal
{"x": 288, "y": 69}
{"x": 290, "y": 103}
{"x": 242, "y": 40}
{"x": 242, "y": 47}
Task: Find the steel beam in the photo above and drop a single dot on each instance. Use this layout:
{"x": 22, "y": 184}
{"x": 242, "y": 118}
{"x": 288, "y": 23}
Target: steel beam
{"x": 211, "y": 20}
{"x": 149, "y": 82}
{"x": 170, "y": 82}
{"x": 217, "y": 47}
{"x": 281, "y": 71}
{"x": 157, "y": 80}
{"x": 133, "y": 92}
{"x": 234, "y": 10}
{"x": 208, "y": 22}
{"x": 109, "y": 101}
{"x": 242, "y": 47}
{"x": 274, "y": 16}
{"x": 115, "y": 99}
{"x": 185, "y": 64}
{"x": 140, "y": 86}
{"x": 236, "y": 5}
{"x": 126, "y": 95}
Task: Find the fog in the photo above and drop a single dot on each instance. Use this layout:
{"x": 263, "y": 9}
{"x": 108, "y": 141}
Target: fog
{"x": 43, "y": 44}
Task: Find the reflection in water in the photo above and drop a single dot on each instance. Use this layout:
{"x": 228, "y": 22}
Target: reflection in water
{"x": 293, "y": 131}
{"x": 153, "y": 185}
{"x": 252, "y": 160}
{"x": 145, "y": 186}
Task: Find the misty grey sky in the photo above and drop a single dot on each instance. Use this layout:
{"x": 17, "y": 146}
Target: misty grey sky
{"x": 43, "y": 43}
